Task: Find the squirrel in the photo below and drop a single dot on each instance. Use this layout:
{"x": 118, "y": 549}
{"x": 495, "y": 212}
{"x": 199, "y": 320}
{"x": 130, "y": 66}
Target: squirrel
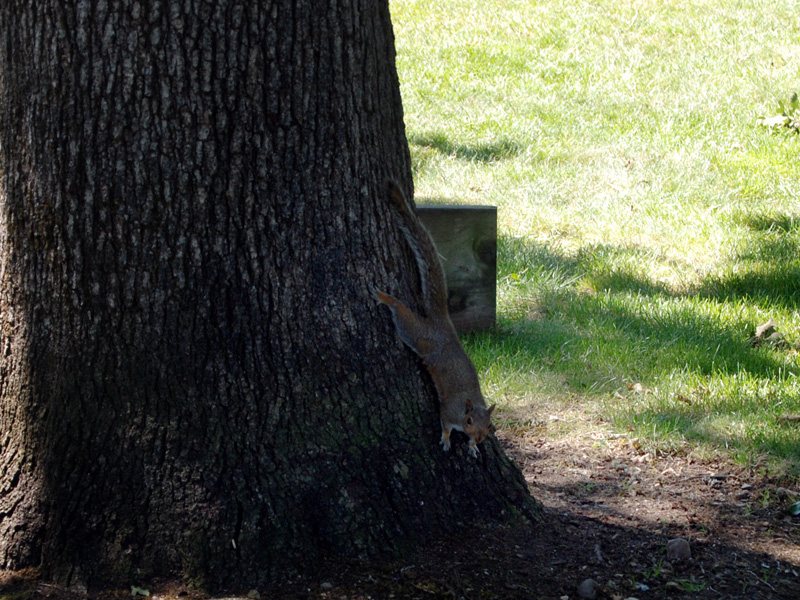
{"x": 434, "y": 338}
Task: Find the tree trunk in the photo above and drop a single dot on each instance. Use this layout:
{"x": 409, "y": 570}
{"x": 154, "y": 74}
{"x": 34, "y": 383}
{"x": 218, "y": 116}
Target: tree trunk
{"x": 195, "y": 378}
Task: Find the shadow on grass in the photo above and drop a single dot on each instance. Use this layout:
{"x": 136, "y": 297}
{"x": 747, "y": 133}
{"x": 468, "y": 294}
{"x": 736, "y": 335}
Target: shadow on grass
{"x": 605, "y": 293}
{"x": 767, "y": 269}
{"x": 489, "y": 152}
{"x": 775, "y": 222}
{"x": 647, "y": 327}
{"x": 764, "y": 437}
{"x": 597, "y": 321}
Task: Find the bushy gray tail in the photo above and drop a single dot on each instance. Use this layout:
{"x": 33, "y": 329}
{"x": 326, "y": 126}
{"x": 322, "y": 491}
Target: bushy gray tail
{"x": 434, "y": 287}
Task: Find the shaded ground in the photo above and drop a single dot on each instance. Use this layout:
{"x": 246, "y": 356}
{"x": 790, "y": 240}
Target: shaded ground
{"x": 609, "y": 514}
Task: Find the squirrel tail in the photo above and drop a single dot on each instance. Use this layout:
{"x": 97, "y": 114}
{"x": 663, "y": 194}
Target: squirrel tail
{"x": 434, "y": 287}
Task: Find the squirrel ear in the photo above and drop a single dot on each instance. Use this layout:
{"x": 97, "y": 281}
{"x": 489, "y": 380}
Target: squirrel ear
{"x": 469, "y": 406}
{"x": 491, "y": 408}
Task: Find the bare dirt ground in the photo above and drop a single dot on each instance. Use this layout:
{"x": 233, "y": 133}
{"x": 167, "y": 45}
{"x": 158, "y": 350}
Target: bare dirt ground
{"x": 609, "y": 513}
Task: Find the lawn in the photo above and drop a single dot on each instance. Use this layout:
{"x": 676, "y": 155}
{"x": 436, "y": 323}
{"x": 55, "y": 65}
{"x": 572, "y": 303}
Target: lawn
{"x": 647, "y": 222}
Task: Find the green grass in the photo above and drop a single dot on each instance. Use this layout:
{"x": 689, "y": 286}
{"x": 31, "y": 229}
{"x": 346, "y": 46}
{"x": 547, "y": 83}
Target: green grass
{"x": 647, "y": 224}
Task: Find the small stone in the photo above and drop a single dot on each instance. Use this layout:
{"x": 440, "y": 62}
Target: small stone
{"x": 588, "y": 589}
{"x": 678, "y": 550}
{"x": 326, "y": 586}
{"x": 253, "y": 595}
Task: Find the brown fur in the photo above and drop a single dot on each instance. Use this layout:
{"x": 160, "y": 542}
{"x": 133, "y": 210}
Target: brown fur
{"x": 434, "y": 338}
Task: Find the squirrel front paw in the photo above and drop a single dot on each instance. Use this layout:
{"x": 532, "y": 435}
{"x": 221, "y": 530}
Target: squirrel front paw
{"x": 445, "y": 441}
{"x": 473, "y": 451}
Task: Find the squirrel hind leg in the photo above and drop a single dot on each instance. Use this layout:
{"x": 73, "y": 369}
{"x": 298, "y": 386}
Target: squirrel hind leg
{"x": 413, "y": 330}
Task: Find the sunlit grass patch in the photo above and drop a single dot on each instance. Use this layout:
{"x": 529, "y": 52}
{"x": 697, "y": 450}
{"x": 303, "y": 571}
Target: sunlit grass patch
{"x": 647, "y": 223}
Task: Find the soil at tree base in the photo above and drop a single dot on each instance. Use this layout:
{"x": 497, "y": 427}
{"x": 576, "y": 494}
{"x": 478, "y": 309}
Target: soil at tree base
{"x": 610, "y": 511}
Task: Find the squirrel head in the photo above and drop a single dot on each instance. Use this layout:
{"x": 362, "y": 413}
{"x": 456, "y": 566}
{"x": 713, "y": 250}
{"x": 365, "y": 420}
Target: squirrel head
{"x": 477, "y": 420}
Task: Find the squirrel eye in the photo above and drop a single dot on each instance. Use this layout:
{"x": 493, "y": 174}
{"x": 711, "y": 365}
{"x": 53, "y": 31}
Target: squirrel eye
{"x": 469, "y": 421}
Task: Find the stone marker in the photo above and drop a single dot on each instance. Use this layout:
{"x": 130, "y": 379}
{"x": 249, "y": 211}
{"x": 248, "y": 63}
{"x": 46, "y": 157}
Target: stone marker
{"x": 466, "y": 238}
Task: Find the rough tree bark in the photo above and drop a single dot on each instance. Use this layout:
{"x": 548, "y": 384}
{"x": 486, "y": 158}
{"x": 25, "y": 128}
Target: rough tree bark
{"x": 195, "y": 380}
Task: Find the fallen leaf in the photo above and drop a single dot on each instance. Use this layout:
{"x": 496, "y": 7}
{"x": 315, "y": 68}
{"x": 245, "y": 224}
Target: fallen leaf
{"x": 766, "y": 329}
{"x": 775, "y": 121}
{"x": 767, "y": 333}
